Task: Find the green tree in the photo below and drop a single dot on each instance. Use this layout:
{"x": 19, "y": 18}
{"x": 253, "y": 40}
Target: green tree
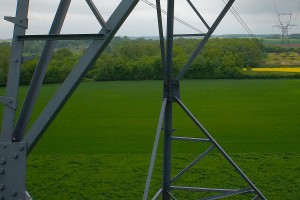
{"x": 230, "y": 66}
{"x": 4, "y": 62}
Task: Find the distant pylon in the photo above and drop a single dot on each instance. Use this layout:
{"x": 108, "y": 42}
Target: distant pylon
{"x": 284, "y": 20}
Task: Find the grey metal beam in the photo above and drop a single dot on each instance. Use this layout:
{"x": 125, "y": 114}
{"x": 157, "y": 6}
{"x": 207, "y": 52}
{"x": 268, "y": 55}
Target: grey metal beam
{"x": 195, "y": 189}
{"x": 225, "y": 192}
{"x": 40, "y": 72}
{"x": 199, "y": 15}
{"x": 97, "y": 15}
{"x": 204, "y": 40}
{"x": 154, "y": 150}
{"x": 161, "y": 40}
{"x": 228, "y": 194}
{"x": 168, "y": 92}
{"x": 221, "y": 150}
{"x": 77, "y": 74}
{"x": 157, "y": 194}
{"x": 190, "y": 139}
{"x": 61, "y": 37}
{"x": 164, "y": 64}
{"x": 256, "y": 197}
{"x": 27, "y": 196}
{"x": 190, "y": 35}
{"x": 176, "y": 177}
{"x": 172, "y": 196}
{"x": 14, "y": 72}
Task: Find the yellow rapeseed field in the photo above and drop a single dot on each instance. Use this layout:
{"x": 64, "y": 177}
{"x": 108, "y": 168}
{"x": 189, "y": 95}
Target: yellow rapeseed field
{"x": 277, "y": 69}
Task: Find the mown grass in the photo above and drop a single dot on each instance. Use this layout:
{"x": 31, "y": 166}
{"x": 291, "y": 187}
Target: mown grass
{"x": 122, "y": 176}
{"x": 99, "y": 146}
{"x": 121, "y": 117}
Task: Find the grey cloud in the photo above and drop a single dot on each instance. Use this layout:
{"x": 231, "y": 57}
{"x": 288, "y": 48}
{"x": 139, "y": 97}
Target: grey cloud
{"x": 258, "y": 14}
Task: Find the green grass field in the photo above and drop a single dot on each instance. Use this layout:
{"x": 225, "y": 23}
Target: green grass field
{"x": 293, "y": 43}
{"x": 99, "y": 146}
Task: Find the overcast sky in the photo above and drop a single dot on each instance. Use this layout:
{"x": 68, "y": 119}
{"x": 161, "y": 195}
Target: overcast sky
{"x": 259, "y": 15}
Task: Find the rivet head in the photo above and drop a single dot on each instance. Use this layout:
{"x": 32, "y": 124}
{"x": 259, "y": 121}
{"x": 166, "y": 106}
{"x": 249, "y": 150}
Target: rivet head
{"x": 2, "y": 170}
{"x": 21, "y": 147}
{"x": 4, "y": 146}
{"x": 14, "y": 193}
{"x": 2, "y": 161}
{"x": 2, "y": 186}
{"x": 17, "y": 60}
{"x": 16, "y": 155}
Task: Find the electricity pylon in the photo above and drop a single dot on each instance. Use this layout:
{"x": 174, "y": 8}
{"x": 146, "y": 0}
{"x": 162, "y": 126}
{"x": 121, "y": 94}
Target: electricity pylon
{"x": 284, "y": 20}
{"x": 171, "y": 96}
{"x": 18, "y": 139}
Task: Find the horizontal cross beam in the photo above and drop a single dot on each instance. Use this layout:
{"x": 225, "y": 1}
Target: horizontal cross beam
{"x": 62, "y": 37}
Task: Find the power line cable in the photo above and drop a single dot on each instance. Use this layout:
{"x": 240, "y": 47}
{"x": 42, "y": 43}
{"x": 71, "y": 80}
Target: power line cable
{"x": 276, "y": 11}
{"x": 241, "y": 21}
{"x": 176, "y": 18}
{"x": 233, "y": 11}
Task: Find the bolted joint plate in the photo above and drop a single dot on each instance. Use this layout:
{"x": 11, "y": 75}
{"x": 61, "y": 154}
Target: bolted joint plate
{"x": 23, "y": 22}
{"x": 9, "y": 102}
{"x": 12, "y": 170}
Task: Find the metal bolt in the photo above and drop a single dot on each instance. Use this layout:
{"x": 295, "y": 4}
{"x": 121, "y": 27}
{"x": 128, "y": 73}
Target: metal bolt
{"x": 16, "y": 156}
{"x": 2, "y": 161}
{"x": 21, "y": 21}
{"x": 4, "y": 146}
{"x": 14, "y": 193}
{"x": 21, "y": 147}
{"x": 2, "y": 170}
{"x": 17, "y": 60}
{"x": 2, "y": 186}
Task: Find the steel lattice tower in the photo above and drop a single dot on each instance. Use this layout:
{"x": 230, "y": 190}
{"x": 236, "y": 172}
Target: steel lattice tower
{"x": 18, "y": 140}
{"x": 284, "y": 25}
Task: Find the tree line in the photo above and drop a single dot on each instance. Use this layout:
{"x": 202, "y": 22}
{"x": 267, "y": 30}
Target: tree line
{"x": 279, "y": 49}
{"x": 139, "y": 59}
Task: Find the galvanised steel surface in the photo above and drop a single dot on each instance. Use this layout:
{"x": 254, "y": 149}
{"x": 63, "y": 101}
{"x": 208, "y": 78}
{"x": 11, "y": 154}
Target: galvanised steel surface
{"x": 12, "y": 170}
{"x": 21, "y": 22}
{"x": 16, "y": 142}
{"x": 17, "y": 133}
{"x": 40, "y": 72}
{"x": 168, "y": 94}
{"x": 171, "y": 95}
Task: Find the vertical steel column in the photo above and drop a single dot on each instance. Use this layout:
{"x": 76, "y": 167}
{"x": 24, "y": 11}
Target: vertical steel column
{"x": 20, "y": 27}
{"x": 168, "y": 88}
